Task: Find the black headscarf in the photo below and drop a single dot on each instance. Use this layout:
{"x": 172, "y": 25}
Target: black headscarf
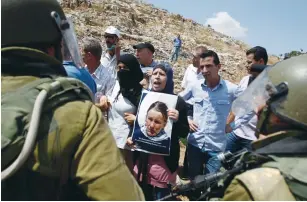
{"x": 129, "y": 81}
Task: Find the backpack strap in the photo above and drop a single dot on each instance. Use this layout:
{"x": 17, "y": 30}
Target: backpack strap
{"x": 51, "y": 91}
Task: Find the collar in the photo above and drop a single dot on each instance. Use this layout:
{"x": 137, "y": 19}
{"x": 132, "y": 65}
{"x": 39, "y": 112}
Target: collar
{"x": 95, "y": 73}
{"x": 153, "y": 64}
{"x": 107, "y": 55}
{"x": 221, "y": 83}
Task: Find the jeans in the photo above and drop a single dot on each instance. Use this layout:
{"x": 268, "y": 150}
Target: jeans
{"x": 236, "y": 143}
{"x": 152, "y": 193}
{"x": 196, "y": 159}
{"x": 175, "y": 53}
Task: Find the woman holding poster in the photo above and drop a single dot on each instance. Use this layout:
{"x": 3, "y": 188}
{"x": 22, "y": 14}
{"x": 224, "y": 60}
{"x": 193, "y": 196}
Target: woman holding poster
{"x": 123, "y": 102}
{"x": 154, "y": 171}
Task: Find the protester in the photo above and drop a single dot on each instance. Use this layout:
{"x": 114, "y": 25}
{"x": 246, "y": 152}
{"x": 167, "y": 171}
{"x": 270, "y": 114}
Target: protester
{"x": 74, "y": 155}
{"x": 155, "y": 171}
{"x": 92, "y": 51}
{"x": 193, "y": 72}
{"x": 212, "y": 102}
{"x": 242, "y": 130}
{"x": 177, "y": 45}
{"x": 123, "y": 102}
{"x": 110, "y": 58}
{"x": 144, "y": 53}
{"x": 79, "y": 73}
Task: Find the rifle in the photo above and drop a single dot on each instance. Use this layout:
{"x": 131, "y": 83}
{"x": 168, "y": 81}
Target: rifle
{"x": 239, "y": 162}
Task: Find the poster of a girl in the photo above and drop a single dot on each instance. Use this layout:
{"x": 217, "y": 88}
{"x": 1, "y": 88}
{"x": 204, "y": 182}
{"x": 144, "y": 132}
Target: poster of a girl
{"x": 156, "y": 120}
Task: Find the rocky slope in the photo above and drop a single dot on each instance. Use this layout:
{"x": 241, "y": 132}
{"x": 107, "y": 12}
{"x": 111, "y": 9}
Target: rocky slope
{"x": 140, "y": 22}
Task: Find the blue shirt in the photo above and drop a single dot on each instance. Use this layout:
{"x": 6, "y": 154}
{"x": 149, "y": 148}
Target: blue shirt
{"x": 210, "y": 110}
{"x": 81, "y": 74}
{"x": 177, "y": 42}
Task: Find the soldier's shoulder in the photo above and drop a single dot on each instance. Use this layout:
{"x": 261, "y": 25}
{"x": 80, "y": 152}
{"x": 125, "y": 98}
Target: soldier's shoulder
{"x": 263, "y": 183}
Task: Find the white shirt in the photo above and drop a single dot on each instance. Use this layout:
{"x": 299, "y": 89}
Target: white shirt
{"x": 245, "y": 126}
{"x": 104, "y": 80}
{"x": 110, "y": 63}
{"x": 190, "y": 76}
{"x": 118, "y": 125}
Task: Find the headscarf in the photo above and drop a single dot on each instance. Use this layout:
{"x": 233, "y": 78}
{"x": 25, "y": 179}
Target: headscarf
{"x": 129, "y": 81}
{"x": 169, "y": 87}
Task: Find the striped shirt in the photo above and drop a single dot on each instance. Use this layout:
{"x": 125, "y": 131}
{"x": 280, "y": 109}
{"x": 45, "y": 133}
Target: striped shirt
{"x": 104, "y": 80}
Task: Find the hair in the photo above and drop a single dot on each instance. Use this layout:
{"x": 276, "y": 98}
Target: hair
{"x": 210, "y": 53}
{"x": 93, "y": 46}
{"x": 201, "y": 48}
{"x": 159, "y": 107}
{"x": 259, "y": 53}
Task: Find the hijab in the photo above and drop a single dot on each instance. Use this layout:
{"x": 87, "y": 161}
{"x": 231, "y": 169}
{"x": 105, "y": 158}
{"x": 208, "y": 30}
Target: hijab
{"x": 169, "y": 87}
{"x": 129, "y": 80}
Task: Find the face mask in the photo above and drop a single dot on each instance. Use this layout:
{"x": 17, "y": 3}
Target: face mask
{"x": 111, "y": 48}
{"x": 124, "y": 78}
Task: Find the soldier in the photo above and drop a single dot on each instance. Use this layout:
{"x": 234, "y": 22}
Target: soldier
{"x": 282, "y": 132}
{"x": 74, "y": 155}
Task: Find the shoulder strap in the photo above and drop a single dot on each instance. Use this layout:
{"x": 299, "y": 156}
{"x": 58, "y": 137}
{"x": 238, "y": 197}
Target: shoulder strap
{"x": 38, "y": 96}
{"x": 266, "y": 184}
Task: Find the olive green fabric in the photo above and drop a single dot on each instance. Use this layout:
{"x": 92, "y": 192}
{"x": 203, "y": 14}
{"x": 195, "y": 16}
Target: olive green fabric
{"x": 17, "y": 107}
{"x": 292, "y": 107}
{"x": 237, "y": 192}
{"x": 29, "y": 21}
{"x": 282, "y": 178}
{"x": 74, "y": 145}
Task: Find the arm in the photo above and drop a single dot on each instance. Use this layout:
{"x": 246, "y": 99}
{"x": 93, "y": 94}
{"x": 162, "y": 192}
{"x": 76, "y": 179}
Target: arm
{"x": 181, "y": 127}
{"x": 231, "y": 117}
{"x": 184, "y": 80}
{"x": 98, "y": 167}
{"x": 243, "y": 120}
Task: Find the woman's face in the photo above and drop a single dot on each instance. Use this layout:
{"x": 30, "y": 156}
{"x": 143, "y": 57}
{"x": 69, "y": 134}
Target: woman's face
{"x": 122, "y": 66}
{"x": 155, "y": 122}
{"x": 158, "y": 80}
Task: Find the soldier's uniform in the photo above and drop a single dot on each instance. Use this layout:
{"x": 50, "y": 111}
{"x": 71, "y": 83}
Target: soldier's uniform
{"x": 75, "y": 156}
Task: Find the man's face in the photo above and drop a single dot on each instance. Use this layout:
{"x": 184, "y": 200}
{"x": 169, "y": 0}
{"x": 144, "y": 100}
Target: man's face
{"x": 143, "y": 55}
{"x": 250, "y": 61}
{"x": 208, "y": 69}
{"x": 196, "y": 58}
{"x": 110, "y": 39}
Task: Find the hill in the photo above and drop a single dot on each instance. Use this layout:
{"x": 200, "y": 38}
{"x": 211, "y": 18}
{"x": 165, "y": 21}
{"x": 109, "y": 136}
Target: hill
{"x": 139, "y": 22}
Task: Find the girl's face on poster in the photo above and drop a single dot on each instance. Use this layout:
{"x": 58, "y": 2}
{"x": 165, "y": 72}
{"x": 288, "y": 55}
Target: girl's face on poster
{"x": 158, "y": 80}
{"x": 155, "y": 122}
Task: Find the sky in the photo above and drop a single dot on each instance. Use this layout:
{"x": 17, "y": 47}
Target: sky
{"x": 278, "y": 25}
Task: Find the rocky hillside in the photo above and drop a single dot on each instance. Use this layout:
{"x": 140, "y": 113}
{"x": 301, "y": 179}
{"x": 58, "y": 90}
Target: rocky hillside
{"x": 139, "y": 22}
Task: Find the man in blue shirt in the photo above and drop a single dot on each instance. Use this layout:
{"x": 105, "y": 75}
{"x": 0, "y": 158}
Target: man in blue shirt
{"x": 212, "y": 99}
{"x": 78, "y": 73}
{"x": 177, "y": 45}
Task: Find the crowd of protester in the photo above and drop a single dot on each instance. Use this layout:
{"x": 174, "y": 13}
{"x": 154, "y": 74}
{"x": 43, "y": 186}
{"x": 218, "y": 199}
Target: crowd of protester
{"x": 202, "y": 115}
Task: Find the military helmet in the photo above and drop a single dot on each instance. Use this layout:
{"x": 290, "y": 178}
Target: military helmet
{"x": 29, "y": 22}
{"x": 290, "y": 106}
